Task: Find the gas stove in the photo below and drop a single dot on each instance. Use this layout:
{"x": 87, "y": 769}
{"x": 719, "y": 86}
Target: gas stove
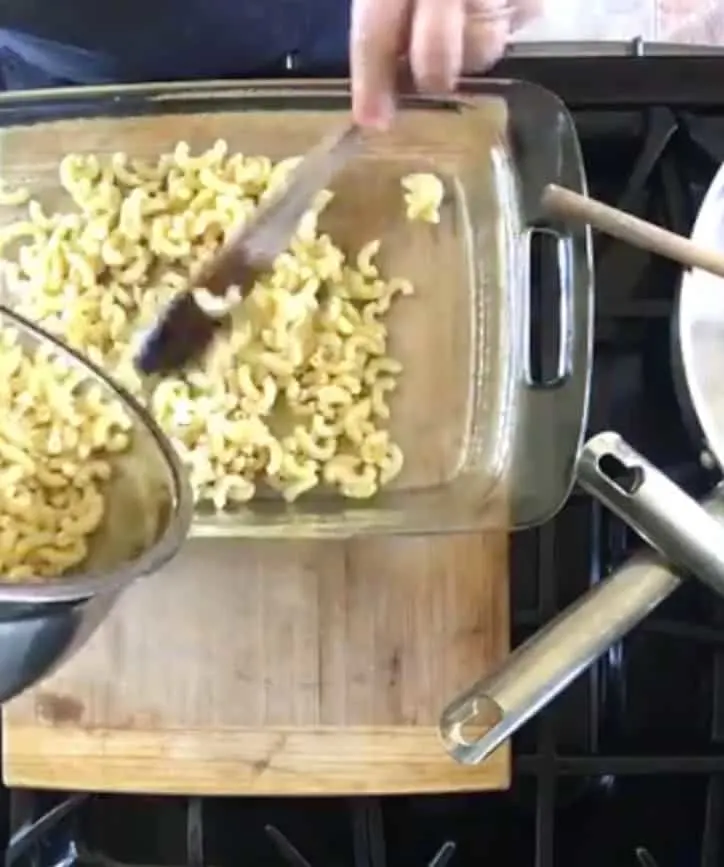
{"x": 627, "y": 766}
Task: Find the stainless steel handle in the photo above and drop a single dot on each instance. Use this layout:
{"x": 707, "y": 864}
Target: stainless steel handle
{"x": 665, "y": 516}
{"x": 540, "y": 669}
{"x": 269, "y": 233}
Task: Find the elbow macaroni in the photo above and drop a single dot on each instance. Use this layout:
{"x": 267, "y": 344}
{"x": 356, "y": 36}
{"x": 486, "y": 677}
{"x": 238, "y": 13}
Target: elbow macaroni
{"x": 295, "y": 396}
{"x": 12, "y": 197}
{"x": 56, "y": 444}
{"x": 423, "y": 196}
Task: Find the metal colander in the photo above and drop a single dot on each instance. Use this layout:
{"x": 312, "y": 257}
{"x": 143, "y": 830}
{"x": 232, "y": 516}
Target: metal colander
{"x": 148, "y": 500}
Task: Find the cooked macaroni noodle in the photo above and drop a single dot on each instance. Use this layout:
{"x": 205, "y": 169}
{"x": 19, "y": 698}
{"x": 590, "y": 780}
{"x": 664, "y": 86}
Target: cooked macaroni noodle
{"x": 295, "y": 396}
{"x": 57, "y": 440}
{"x": 423, "y": 196}
{"x": 10, "y": 197}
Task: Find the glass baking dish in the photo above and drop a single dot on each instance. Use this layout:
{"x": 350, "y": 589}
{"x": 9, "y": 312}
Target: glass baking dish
{"x": 485, "y": 444}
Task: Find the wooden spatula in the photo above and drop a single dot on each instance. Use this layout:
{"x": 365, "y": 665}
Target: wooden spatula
{"x": 568, "y": 206}
{"x": 185, "y": 328}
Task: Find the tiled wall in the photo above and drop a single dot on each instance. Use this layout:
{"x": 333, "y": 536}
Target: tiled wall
{"x": 694, "y": 21}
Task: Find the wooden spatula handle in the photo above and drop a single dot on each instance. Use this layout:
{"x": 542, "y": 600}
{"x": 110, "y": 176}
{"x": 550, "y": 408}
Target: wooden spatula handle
{"x": 569, "y": 206}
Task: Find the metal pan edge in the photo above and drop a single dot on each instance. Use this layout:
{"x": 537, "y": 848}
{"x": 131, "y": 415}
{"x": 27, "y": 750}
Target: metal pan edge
{"x": 699, "y": 332}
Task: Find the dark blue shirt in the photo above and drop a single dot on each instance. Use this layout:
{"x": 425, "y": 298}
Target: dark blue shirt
{"x": 47, "y": 42}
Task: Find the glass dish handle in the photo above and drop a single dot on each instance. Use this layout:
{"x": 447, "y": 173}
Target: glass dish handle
{"x": 551, "y": 411}
{"x": 554, "y": 381}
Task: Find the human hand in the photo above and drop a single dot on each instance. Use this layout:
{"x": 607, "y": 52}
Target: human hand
{"x": 440, "y": 38}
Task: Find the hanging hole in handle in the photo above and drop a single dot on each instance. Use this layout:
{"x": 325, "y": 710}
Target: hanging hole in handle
{"x": 548, "y": 349}
{"x": 627, "y": 479}
{"x": 468, "y": 723}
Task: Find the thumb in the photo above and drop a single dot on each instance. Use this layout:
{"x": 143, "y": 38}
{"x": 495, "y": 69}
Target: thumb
{"x": 489, "y": 25}
{"x": 436, "y": 48}
{"x": 376, "y": 34}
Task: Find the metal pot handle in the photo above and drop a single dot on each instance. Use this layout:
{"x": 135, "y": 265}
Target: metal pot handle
{"x": 545, "y": 664}
{"x": 660, "y": 512}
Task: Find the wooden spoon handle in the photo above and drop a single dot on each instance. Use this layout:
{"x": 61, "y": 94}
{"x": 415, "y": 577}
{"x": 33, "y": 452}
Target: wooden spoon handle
{"x": 566, "y": 205}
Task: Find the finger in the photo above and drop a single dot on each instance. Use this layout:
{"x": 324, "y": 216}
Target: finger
{"x": 489, "y": 25}
{"x": 375, "y": 36}
{"x": 436, "y": 44}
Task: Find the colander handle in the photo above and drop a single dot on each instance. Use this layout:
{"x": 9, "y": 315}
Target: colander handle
{"x": 690, "y": 535}
{"x": 535, "y": 673}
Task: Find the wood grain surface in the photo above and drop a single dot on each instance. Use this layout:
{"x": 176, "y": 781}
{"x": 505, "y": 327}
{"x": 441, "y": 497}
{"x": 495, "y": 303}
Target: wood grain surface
{"x": 301, "y": 667}
{"x": 275, "y": 668}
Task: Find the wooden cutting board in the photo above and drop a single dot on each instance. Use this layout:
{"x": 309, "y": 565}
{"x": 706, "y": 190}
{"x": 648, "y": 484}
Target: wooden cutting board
{"x": 289, "y": 668}
{"x": 267, "y": 668}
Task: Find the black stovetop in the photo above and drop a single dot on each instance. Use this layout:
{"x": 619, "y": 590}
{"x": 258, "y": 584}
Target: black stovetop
{"x": 627, "y": 767}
